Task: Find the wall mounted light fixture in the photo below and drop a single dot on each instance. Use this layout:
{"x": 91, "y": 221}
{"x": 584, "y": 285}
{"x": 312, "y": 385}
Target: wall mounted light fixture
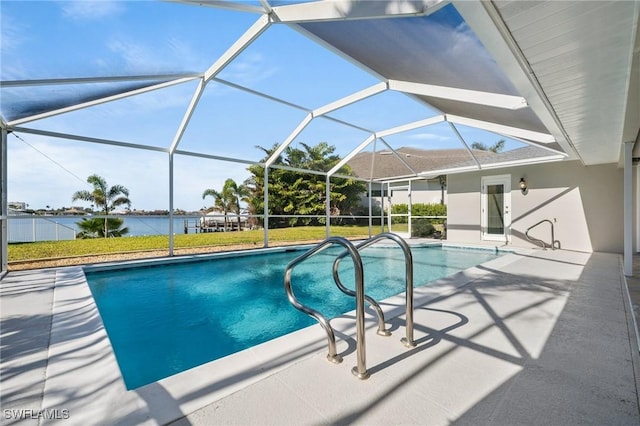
{"x": 523, "y": 185}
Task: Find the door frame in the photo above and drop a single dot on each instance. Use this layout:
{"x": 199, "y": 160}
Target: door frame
{"x": 399, "y": 186}
{"x": 505, "y": 180}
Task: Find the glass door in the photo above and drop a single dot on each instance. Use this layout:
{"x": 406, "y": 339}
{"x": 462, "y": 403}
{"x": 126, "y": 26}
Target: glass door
{"x": 496, "y": 207}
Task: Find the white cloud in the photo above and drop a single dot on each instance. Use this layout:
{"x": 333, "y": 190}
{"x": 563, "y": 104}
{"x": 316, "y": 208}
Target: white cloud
{"x": 90, "y": 10}
{"x": 37, "y": 180}
{"x": 250, "y": 68}
{"x": 135, "y": 55}
{"x": 189, "y": 57}
{"x": 52, "y": 178}
{"x": 160, "y": 56}
{"x": 12, "y": 34}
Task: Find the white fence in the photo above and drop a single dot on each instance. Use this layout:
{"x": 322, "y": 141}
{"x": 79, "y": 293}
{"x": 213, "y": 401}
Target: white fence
{"x": 37, "y": 228}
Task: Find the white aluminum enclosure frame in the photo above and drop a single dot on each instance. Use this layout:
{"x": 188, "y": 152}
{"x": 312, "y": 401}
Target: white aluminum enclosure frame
{"x": 628, "y": 208}
{"x": 482, "y": 17}
{"x": 4, "y": 205}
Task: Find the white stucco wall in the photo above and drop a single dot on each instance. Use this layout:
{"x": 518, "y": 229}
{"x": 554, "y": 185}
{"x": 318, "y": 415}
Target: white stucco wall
{"x": 585, "y": 203}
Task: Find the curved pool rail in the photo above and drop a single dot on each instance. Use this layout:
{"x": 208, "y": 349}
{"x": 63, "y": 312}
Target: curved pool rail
{"x": 360, "y": 370}
{"x": 539, "y": 241}
{"x": 408, "y": 340}
{"x": 382, "y": 330}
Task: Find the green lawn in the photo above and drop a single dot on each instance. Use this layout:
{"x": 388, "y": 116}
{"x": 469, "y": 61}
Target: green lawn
{"x": 56, "y": 249}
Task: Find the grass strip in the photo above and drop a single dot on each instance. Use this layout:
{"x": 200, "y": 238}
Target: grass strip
{"x": 60, "y": 249}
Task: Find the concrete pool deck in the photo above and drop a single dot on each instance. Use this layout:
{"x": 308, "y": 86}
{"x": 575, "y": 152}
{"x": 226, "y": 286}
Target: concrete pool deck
{"x": 533, "y": 337}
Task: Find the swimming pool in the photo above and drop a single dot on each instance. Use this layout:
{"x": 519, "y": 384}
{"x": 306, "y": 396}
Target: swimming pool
{"x": 164, "y": 319}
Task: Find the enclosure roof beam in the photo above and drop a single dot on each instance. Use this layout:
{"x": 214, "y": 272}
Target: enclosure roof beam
{"x": 400, "y": 179}
{"x": 350, "y": 99}
{"x": 464, "y": 142}
{"x": 502, "y": 129}
{"x": 346, "y": 123}
{"x": 462, "y": 95}
{"x": 349, "y": 156}
{"x": 452, "y": 170}
{"x": 325, "y": 109}
{"x": 395, "y": 179}
{"x": 239, "y": 46}
{"x": 398, "y": 156}
{"x": 341, "y": 10}
{"x": 356, "y": 178}
{"x": 411, "y": 126}
{"x": 86, "y": 80}
{"x": 258, "y": 27}
{"x": 538, "y": 145}
{"x": 214, "y": 157}
{"x": 455, "y": 170}
{"x": 296, "y": 169}
{"x": 187, "y": 115}
{"x": 260, "y": 94}
{"x": 87, "y": 139}
{"x": 301, "y": 126}
{"x": 267, "y": 7}
{"x": 99, "y": 101}
{"x": 383, "y": 133}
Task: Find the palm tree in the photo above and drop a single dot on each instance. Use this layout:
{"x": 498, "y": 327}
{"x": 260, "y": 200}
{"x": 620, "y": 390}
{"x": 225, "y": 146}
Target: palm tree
{"x": 228, "y": 200}
{"x": 238, "y": 193}
{"x": 222, "y": 200}
{"x": 496, "y": 147}
{"x": 94, "y": 227}
{"x": 106, "y": 199}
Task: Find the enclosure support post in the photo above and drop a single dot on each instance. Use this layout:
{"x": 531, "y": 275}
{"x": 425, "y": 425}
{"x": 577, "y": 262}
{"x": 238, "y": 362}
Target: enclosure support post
{"x": 327, "y": 203}
{"x": 382, "y": 207}
{"x": 4, "y": 261}
{"x": 389, "y": 207}
{"x": 265, "y": 222}
{"x": 628, "y": 209}
{"x": 370, "y": 210}
{"x": 171, "y": 204}
{"x": 409, "y": 204}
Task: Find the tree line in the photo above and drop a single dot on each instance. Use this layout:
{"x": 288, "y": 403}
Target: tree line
{"x": 291, "y": 193}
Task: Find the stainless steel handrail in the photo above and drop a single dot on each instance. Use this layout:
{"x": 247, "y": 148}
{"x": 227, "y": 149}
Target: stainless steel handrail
{"x": 539, "y": 241}
{"x": 360, "y": 370}
{"x": 408, "y": 339}
{"x": 382, "y": 330}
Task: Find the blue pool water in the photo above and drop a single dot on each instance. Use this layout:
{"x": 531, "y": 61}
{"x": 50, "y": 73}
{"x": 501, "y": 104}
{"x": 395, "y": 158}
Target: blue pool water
{"x": 165, "y": 319}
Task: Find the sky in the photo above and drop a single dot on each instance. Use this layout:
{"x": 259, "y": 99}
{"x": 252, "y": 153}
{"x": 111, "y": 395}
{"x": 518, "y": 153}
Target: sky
{"x": 55, "y": 39}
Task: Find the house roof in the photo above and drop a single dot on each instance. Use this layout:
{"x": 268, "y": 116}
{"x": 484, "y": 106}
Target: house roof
{"x": 413, "y": 162}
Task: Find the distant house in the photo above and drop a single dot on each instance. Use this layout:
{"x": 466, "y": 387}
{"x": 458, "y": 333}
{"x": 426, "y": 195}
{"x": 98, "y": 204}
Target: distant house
{"x": 17, "y": 208}
{"x": 17, "y": 205}
{"x": 74, "y": 211}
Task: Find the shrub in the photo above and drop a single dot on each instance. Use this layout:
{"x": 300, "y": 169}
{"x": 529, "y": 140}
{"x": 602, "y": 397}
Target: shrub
{"x": 422, "y": 228}
{"x": 419, "y": 209}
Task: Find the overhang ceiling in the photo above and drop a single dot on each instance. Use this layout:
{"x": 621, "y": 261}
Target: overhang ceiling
{"x": 575, "y": 63}
{"x": 582, "y": 55}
